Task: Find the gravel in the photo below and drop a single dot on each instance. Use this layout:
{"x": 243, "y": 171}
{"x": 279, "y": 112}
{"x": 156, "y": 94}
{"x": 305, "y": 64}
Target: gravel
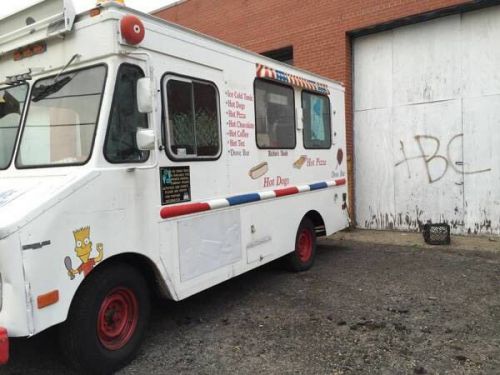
{"x": 363, "y": 308}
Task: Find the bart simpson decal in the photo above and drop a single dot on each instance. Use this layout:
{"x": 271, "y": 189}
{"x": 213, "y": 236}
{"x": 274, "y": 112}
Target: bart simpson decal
{"x": 83, "y": 248}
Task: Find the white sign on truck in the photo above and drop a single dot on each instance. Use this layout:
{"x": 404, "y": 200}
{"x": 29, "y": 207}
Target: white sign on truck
{"x": 139, "y": 157}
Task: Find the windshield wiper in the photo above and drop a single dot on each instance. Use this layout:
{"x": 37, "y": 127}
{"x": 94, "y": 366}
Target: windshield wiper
{"x": 43, "y": 91}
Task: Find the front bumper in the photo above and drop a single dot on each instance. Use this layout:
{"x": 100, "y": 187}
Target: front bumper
{"x": 14, "y": 314}
{"x": 4, "y": 346}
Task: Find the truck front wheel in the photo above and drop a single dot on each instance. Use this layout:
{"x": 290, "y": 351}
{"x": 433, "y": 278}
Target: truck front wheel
{"x": 107, "y": 320}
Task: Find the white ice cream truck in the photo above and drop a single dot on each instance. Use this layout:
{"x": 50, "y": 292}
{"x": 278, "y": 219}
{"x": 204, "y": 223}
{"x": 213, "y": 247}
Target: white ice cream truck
{"x": 138, "y": 157}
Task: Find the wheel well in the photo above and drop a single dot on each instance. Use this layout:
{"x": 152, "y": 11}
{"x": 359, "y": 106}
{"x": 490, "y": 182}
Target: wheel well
{"x": 317, "y": 220}
{"x": 146, "y": 267}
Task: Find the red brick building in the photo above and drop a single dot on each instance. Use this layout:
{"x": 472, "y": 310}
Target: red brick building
{"x": 320, "y": 33}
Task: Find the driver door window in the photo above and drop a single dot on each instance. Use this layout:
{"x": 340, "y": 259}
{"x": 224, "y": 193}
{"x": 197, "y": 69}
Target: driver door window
{"x": 125, "y": 119}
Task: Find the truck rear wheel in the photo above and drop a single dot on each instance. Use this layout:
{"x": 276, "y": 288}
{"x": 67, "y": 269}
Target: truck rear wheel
{"x": 304, "y": 255}
{"x": 107, "y": 320}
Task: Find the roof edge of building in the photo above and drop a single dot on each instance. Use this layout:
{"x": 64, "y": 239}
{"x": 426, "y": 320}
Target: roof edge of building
{"x": 423, "y": 17}
{"x": 174, "y": 4}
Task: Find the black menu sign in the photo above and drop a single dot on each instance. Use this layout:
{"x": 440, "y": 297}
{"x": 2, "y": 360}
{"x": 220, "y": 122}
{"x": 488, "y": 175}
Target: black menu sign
{"x": 175, "y": 185}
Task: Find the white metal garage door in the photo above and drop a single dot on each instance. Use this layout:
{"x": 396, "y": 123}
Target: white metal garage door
{"x": 427, "y": 124}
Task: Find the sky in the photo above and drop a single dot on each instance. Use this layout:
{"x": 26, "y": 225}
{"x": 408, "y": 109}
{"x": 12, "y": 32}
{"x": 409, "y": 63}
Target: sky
{"x": 9, "y": 7}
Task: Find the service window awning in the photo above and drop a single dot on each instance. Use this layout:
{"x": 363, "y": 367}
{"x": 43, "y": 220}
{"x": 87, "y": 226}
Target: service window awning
{"x": 280, "y": 76}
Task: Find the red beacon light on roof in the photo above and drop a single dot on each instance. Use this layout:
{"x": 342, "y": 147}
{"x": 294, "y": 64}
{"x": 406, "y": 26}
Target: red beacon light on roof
{"x": 132, "y": 29}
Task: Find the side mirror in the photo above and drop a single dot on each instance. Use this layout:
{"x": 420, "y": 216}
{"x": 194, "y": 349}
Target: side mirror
{"x": 145, "y": 95}
{"x": 146, "y": 139}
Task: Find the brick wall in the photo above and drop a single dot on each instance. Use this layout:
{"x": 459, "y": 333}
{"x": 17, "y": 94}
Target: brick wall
{"x": 318, "y": 31}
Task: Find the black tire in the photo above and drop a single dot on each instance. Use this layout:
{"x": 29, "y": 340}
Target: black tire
{"x": 302, "y": 259}
{"x": 107, "y": 320}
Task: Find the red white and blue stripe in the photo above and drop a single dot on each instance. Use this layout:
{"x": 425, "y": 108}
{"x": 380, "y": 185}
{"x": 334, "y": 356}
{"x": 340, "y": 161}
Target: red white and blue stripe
{"x": 169, "y": 212}
{"x": 278, "y": 75}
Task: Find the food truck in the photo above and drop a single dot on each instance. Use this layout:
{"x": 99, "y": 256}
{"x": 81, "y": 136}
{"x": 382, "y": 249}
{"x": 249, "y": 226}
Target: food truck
{"x": 140, "y": 158}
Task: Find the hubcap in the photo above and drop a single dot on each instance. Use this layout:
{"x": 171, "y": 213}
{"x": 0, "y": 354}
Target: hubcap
{"x": 117, "y": 319}
{"x": 304, "y": 250}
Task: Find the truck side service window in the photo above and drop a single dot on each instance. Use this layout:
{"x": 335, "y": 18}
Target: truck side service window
{"x": 275, "y": 115}
{"x": 125, "y": 118}
{"x": 317, "y": 125}
{"x": 193, "y": 119}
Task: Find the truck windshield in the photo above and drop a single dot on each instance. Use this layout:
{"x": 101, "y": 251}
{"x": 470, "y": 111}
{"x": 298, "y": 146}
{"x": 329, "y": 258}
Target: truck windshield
{"x": 62, "y": 118}
{"x": 12, "y": 101}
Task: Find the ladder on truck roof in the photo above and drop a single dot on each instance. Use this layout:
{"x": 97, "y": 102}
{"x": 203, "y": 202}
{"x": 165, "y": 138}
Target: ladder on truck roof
{"x": 44, "y": 20}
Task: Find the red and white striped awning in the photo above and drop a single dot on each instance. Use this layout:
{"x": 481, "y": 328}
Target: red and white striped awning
{"x": 278, "y": 75}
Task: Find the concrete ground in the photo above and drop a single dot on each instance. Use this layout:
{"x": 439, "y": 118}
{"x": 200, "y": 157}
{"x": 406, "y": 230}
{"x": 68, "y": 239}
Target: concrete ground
{"x": 375, "y": 302}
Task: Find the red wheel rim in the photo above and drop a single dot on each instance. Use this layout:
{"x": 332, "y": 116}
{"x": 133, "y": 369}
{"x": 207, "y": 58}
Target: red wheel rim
{"x": 117, "y": 319}
{"x": 305, "y": 245}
